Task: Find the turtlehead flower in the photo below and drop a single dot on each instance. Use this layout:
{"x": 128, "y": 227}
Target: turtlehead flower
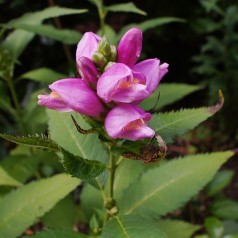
{"x": 127, "y": 121}
{"x": 73, "y": 94}
{"x": 128, "y": 52}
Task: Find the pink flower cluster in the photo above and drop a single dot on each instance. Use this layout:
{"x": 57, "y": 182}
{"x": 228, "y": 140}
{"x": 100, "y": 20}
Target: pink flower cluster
{"x": 111, "y": 85}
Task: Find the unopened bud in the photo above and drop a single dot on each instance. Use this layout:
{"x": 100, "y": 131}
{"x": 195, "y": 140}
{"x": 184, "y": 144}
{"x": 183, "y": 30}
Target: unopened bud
{"x": 104, "y": 47}
{"x": 113, "y": 55}
{"x": 99, "y": 60}
{"x": 109, "y": 64}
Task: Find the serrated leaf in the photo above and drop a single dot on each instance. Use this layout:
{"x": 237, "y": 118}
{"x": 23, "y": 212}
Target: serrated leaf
{"x": 7, "y": 180}
{"x": 168, "y": 93}
{"x": 125, "y": 7}
{"x": 43, "y": 75}
{"x": 58, "y": 233}
{"x": 163, "y": 189}
{"x": 41, "y": 142}
{"x": 33, "y": 200}
{"x": 132, "y": 226}
{"x": 65, "y": 36}
{"x": 63, "y": 131}
{"x": 82, "y": 168}
{"x": 172, "y": 124}
{"x": 180, "y": 228}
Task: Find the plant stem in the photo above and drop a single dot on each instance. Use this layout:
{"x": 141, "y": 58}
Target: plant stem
{"x": 102, "y": 15}
{"x": 16, "y": 103}
{"x": 112, "y": 175}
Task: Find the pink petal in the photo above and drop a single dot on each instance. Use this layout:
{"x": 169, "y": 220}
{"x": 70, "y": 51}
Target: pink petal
{"x": 153, "y": 71}
{"x": 127, "y": 121}
{"x": 118, "y": 84}
{"x": 87, "y": 45}
{"x": 77, "y": 95}
{"x": 129, "y": 48}
{"x": 88, "y": 71}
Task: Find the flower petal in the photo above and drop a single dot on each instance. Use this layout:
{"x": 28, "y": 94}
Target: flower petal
{"x": 127, "y": 121}
{"x": 88, "y": 71}
{"x": 118, "y": 84}
{"x": 53, "y": 101}
{"x": 87, "y": 45}
{"x": 153, "y": 71}
{"x": 77, "y": 95}
{"x": 129, "y": 48}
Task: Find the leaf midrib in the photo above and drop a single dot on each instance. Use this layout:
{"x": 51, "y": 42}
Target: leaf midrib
{"x": 122, "y": 227}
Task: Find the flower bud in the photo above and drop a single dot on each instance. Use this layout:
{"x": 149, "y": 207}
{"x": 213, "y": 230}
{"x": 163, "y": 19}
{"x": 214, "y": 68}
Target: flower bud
{"x": 104, "y": 47}
{"x": 113, "y": 55}
{"x": 99, "y": 60}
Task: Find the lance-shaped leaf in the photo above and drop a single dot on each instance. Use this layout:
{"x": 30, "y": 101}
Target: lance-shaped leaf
{"x": 17, "y": 41}
{"x": 81, "y": 168}
{"x": 41, "y": 142}
{"x": 132, "y": 226}
{"x": 167, "y": 187}
{"x": 172, "y": 124}
{"x": 168, "y": 93}
{"x": 43, "y": 75}
{"x": 58, "y": 233}
{"x": 74, "y": 165}
{"x": 66, "y": 36}
{"x": 63, "y": 131}
{"x": 6, "y": 179}
{"x": 125, "y": 7}
{"x": 21, "y": 208}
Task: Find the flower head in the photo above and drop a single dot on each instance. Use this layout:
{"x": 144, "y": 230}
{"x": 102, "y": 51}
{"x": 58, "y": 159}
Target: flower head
{"x": 127, "y": 121}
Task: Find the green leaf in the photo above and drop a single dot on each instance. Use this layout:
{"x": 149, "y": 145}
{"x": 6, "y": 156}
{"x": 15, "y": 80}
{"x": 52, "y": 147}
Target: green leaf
{"x": 65, "y": 36}
{"x": 168, "y": 93}
{"x": 225, "y": 208}
{"x": 43, "y": 75}
{"x": 175, "y": 181}
{"x": 148, "y": 24}
{"x": 63, "y": 131}
{"x": 82, "y": 168}
{"x": 39, "y": 16}
{"x": 230, "y": 227}
{"x": 131, "y": 227}
{"x": 17, "y": 41}
{"x": 214, "y": 227}
{"x": 58, "y": 233}
{"x": 180, "y": 228}
{"x": 41, "y": 142}
{"x": 125, "y": 7}
{"x": 6, "y": 179}
{"x": 172, "y": 124}
{"x": 220, "y": 181}
{"x": 33, "y": 200}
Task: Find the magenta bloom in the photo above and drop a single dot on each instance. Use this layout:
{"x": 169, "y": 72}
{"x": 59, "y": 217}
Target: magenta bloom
{"x": 119, "y": 84}
{"x": 73, "y": 94}
{"x": 127, "y": 121}
{"x": 125, "y": 81}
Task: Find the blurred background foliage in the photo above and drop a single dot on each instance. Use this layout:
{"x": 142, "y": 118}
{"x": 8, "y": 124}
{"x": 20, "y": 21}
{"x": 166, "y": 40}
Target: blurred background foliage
{"x": 201, "y": 50}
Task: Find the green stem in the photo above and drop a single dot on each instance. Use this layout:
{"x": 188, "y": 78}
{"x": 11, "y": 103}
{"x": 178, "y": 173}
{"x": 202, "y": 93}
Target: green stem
{"x": 102, "y": 15}
{"x": 112, "y": 175}
{"x": 16, "y": 103}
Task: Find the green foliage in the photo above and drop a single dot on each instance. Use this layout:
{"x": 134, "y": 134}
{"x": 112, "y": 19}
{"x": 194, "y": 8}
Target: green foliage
{"x": 6, "y": 179}
{"x": 132, "y": 226}
{"x": 180, "y": 228}
{"x": 220, "y": 181}
{"x": 168, "y": 94}
{"x": 85, "y": 146}
{"x": 43, "y": 75}
{"x": 214, "y": 227}
{"x": 58, "y": 233}
{"x": 125, "y": 7}
{"x": 36, "y": 199}
{"x": 176, "y": 181}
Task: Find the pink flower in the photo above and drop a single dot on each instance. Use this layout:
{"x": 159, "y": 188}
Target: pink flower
{"x": 128, "y": 52}
{"x": 127, "y": 121}
{"x": 73, "y": 94}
